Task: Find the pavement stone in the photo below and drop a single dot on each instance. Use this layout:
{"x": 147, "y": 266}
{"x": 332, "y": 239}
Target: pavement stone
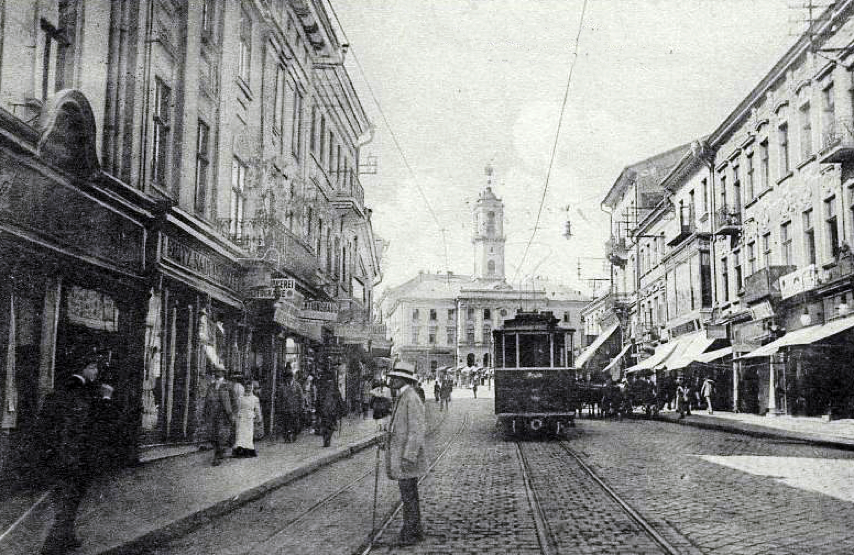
{"x": 125, "y": 511}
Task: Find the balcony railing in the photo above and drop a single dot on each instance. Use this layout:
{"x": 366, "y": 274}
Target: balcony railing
{"x": 837, "y": 143}
{"x": 317, "y": 173}
{"x": 686, "y": 223}
{"x": 764, "y": 284}
{"x": 349, "y": 192}
{"x": 269, "y": 240}
{"x": 728, "y": 221}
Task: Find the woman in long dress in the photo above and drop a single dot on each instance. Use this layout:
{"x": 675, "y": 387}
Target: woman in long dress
{"x": 248, "y": 411}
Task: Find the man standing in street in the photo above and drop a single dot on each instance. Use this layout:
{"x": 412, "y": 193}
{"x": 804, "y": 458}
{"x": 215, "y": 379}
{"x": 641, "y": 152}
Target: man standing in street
{"x": 219, "y": 414}
{"x": 66, "y": 423}
{"x": 406, "y": 455}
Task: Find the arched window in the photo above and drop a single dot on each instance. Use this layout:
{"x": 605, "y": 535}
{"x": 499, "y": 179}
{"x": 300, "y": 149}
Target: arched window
{"x": 470, "y": 359}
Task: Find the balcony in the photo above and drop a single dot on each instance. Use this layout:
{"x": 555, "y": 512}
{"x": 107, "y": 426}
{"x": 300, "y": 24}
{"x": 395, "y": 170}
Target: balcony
{"x": 349, "y": 193}
{"x": 687, "y": 225}
{"x": 837, "y": 143}
{"x": 764, "y": 284}
{"x": 266, "y": 239}
{"x": 317, "y": 173}
{"x": 617, "y": 251}
{"x": 728, "y": 221}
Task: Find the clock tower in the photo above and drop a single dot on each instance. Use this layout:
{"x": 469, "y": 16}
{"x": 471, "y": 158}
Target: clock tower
{"x": 488, "y": 234}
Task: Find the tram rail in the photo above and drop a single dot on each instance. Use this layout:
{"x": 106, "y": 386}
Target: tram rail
{"x": 373, "y": 540}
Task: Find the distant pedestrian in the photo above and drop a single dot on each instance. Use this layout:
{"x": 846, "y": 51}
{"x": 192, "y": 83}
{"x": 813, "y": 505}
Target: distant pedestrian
{"x": 309, "y": 393}
{"x": 437, "y": 389}
{"x": 107, "y": 429}
{"x": 69, "y": 453}
{"x": 474, "y": 387}
{"x": 366, "y": 395}
{"x": 406, "y": 450}
{"x": 291, "y": 403}
{"x": 682, "y": 398}
{"x": 330, "y": 407}
{"x": 707, "y": 390}
{"x": 248, "y": 414}
{"x": 447, "y": 388}
{"x": 219, "y": 414}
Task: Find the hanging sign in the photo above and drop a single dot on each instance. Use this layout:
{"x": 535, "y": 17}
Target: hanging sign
{"x": 92, "y": 309}
{"x": 803, "y": 279}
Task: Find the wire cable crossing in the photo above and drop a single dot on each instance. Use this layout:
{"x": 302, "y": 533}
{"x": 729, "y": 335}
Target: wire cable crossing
{"x": 557, "y": 136}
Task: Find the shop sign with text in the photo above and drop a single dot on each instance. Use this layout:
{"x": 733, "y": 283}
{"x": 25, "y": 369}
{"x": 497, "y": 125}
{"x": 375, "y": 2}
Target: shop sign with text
{"x": 220, "y": 272}
{"x": 802, "y": 279}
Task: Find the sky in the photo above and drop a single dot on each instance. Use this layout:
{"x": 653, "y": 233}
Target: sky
{"x": 466, "y": 83}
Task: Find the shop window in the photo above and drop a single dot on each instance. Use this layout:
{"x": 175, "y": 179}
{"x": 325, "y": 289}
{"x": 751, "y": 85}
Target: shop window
{"x": 162, "y": 132}
{"x": 832, "y": 226}
{"x": 783, "y": 148}
{"x": 296, "y": 139}
{"x": 786, "y": 243}
{"x": 202, "y": 165}
{"x": 244, "y": 63}
{"x": 809, "y": 237}
{"x": 238, "y": 199}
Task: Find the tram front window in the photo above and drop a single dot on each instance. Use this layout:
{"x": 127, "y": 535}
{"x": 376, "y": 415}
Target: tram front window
{"x": 534, "y": 351}
{"x": 509, "y": 351}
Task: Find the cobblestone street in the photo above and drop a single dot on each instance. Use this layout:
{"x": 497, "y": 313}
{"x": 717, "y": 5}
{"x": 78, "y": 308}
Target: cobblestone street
{"x": 705, "y": 492}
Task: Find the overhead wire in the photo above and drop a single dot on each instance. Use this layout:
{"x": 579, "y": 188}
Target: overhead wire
{"x": 393, "y": 135}
{"x": 557, "y": 136}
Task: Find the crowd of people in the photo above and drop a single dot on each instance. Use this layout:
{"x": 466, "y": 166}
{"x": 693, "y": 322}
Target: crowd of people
{"x": 678, "y": 394}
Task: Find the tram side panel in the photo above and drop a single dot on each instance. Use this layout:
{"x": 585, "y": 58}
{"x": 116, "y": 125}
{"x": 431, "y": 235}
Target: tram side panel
{"x": 535, "y": 399}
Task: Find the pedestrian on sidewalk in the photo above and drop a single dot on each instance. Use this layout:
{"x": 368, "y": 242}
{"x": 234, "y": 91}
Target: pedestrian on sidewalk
{"x": 406, "y": 453}
{"x": 707, "y": 391}
{"x": 682, "y": 398}
{"x": 219, "y": 414}
{"x": 248, "y": 413}
{"x": 107, "y": 445}
{"x": 447, "y": 388}
{"x": 291, "y": 401}
{"x": 474, "y": 387}
{"x": 309, "y": 392}
{"x": 437, "y": 389}
{"x": 69, "y": 453}
{"x": 330, "y": 407}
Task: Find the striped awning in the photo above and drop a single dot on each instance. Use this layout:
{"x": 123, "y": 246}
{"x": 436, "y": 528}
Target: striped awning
{"x": 600, "y": 340}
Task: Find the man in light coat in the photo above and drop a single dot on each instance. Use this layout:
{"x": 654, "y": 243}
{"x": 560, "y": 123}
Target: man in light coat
{"x": 406, "y": 453}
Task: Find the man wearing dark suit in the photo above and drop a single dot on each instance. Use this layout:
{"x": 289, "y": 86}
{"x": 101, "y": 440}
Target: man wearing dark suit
{"x": 66, "y": 426}
{"x": 219, "y": 414}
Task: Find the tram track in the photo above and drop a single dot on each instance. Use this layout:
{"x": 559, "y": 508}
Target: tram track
{"x": 373, "y": 540}
{"x": 549, "y": 539}
{"x": 639, "y": 519}
{"x": 287, "y": 526}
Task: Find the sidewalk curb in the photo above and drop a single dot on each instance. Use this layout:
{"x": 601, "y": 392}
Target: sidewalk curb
{"x": 768, "y": 433}
{"x": 184, "y": 525}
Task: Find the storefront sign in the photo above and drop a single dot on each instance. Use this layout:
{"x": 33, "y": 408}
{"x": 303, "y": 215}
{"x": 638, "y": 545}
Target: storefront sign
{"x": 220, "y": 272}
{"x": 320, "y": 310}
{"x": 716, "y": 331}
{"x": 287, "y": 315}
{"x": 92, "y": 309}
{"x": 803, "y": 279}
{"x": 360, "y": 333}
{"x": 59, "y": 212}
{"x": 762, "y": 310}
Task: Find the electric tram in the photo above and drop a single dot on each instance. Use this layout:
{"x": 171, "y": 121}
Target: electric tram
{"x": 535, "y": 390}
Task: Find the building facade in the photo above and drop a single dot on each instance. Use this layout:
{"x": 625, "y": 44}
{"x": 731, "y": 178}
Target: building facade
{"x": 446, "y": 319}
{"x": 744, "y": 265}
{"x": 179, "y": 188}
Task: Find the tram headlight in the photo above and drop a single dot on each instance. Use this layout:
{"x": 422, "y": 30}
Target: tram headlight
{"x": 536, "y": 424}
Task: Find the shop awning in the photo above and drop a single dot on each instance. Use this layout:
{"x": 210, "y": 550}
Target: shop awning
{"x": 713, "y": 355}
{"x": 661, "y": 353}
{"x": 588, "y": 353}
{"x": 616, "y": 360}
{"x": 804, "y": 336}
{"x": 689, "y": 348}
